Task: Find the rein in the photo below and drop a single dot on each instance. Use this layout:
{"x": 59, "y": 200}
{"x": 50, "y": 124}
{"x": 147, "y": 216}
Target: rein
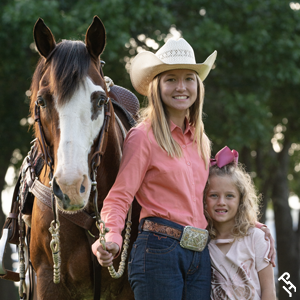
{"x": 96, "y": 160}
{"x": 44, "y": 145}
{"x": 55, "y": 225}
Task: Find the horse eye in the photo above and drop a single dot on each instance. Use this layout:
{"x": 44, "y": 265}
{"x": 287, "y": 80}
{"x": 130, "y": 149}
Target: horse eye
{"x": 41, "y": 101}
{"x": 102, "y": 100}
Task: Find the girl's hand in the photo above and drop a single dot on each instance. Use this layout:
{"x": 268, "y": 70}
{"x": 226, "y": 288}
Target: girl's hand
{"x": 268, "y": 236}
{"x": 105, "y": 257}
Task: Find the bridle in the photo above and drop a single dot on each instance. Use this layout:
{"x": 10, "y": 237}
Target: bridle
{"x": 100, "y": 146}
{"x": 96, "y": 157}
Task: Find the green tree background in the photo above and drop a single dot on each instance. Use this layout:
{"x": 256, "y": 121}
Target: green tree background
{"x": 251, "y": 102}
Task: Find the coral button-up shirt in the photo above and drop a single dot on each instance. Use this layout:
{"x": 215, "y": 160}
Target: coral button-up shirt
{"x": 166, "y": 187}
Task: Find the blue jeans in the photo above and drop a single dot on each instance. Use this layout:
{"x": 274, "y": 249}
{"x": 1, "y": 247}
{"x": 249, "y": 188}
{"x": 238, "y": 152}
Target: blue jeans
{"x": 159, "y": 268}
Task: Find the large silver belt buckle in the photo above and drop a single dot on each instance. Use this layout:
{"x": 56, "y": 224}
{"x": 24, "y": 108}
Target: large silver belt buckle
{"x": 194, "y": 238}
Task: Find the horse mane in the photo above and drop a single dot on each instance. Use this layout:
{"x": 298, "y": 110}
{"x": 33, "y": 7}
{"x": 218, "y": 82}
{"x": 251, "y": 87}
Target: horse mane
{"x": 68, "y": 63}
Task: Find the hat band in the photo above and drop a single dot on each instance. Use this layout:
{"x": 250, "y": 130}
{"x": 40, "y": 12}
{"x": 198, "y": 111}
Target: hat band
{"x": 178, "y": 56}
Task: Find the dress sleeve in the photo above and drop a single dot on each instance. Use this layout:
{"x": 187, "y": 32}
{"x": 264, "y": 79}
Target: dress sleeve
{"x": 134, "y": 165}
{"x": 262, "y": 248}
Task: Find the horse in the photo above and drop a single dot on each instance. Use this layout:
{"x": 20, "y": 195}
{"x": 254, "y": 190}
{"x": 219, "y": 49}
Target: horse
{"x": 68, "y": 100}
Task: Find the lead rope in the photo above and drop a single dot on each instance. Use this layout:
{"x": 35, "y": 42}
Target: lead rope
{"x": 55, "y": 225}
{"x": 103, "y": 230}
{"x": 124, "y": 254}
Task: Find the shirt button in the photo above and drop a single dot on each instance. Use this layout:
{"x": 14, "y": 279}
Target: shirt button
{"x": 183, "y": 146}
{"x": 188, "y": 163}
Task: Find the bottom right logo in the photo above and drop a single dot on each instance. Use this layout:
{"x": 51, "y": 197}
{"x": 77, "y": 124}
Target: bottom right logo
{"x": 288, "y": 283}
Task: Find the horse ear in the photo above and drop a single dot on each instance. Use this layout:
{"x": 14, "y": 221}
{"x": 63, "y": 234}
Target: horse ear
{"x": 43, "y": 38}
{"x": 95, "y": 38}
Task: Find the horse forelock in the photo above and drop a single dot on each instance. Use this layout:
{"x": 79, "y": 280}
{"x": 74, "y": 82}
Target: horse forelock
{"x": 68, "y": 66}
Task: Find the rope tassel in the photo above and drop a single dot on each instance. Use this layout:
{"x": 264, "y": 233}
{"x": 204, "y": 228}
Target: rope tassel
{"x": 124, "y": 254}
{"x": 55, "y": 248}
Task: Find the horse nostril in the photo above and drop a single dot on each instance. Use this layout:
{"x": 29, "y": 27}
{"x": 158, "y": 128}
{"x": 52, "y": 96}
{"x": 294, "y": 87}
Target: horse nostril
{"x": 84, "y": 184}
{"x": 56, "y": 190}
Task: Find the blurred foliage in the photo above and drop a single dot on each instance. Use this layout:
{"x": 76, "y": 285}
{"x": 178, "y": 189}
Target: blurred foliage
{"x": 252, "y": 88}
{"x": 251, "y": 101}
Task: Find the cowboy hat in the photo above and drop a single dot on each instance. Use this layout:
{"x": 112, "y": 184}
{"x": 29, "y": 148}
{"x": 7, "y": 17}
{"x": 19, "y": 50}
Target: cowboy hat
{"x": 174, "y": 54}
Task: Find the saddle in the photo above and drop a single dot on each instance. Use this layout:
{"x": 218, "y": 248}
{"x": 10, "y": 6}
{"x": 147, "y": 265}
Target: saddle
{"x": 23, "y": 196}
{"x": 124, "y": 97}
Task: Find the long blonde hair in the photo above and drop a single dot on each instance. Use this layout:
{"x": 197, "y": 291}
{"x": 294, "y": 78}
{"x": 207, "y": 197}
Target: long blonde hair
{"x": 157, "y": 114}
{"x": 248, "y": 210}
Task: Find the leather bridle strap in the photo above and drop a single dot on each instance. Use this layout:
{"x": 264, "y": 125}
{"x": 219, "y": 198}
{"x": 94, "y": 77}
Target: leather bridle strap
{"x": 42, "y": 137}
{"x": 95, "y": 163}
{"x": 103, "y": 137}
{"x": 43, "y": 194}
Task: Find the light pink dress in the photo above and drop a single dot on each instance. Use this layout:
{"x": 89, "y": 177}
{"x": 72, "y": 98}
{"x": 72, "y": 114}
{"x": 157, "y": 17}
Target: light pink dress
{"x": 235, "y": 275}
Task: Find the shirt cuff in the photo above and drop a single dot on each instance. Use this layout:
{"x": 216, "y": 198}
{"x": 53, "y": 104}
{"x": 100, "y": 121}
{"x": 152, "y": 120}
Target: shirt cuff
{"x": 95, "y": 247}
{"x": 113, "y": 237}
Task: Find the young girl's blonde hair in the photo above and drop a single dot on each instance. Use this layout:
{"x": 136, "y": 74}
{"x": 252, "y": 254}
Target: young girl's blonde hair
{"x": 248, "y": 210}
{"x": 157, "y": 114}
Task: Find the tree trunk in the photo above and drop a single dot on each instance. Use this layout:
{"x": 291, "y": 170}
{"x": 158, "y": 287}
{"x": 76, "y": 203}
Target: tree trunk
{"x": 287, "y": 242}
{"x": 267, "y": 178}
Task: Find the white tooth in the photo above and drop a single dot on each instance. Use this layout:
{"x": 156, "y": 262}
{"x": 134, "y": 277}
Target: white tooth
{"x": 180, "y": 97}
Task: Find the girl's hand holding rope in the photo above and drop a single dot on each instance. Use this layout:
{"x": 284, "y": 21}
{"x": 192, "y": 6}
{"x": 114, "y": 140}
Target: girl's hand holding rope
{"x": 105, "y": 257}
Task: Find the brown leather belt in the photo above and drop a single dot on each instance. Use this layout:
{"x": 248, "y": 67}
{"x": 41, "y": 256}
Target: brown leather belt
{"x": 191, "y": 238}
{"x": 162, "y": 229}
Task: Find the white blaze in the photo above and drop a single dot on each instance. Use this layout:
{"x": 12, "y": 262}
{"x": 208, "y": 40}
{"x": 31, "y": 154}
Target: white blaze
{"x": 77, "y": 134}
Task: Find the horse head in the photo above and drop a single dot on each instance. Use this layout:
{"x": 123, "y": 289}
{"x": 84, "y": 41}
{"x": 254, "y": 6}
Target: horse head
{"x": 68, "y": 99}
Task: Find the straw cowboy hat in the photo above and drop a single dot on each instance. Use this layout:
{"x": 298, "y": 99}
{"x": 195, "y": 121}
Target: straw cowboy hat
{"x": 174, "y": 54}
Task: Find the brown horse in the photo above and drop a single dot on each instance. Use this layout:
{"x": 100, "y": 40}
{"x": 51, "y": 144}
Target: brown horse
{"x": 69, "y": 93}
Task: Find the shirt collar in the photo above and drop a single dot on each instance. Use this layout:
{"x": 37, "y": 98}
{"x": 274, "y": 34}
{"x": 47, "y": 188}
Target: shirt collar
{"x": 188, "y": 128}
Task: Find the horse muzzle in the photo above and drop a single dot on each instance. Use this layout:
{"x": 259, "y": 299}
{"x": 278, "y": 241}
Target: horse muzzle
{"x": 71, "y": 197}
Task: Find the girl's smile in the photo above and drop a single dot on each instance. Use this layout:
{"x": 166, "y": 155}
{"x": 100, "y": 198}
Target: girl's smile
{"x": 178, "y": 90}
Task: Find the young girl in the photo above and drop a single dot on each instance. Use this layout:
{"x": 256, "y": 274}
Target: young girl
{"x": 239, "y": 252}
